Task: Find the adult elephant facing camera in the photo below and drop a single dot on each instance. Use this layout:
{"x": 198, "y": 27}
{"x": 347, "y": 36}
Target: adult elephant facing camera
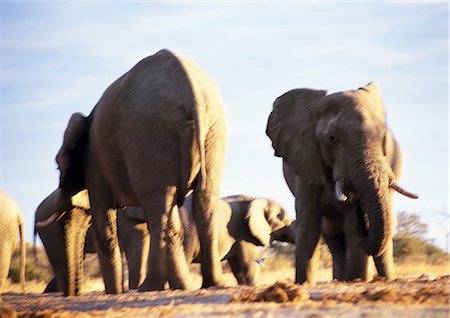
{"x": 131, "y": 151}
{"x": 341, "y": 162}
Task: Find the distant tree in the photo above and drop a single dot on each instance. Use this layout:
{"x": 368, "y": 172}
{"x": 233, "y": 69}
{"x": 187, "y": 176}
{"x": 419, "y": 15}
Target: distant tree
{"x": 410, "y": 242}
{"x": 410, "y": 223}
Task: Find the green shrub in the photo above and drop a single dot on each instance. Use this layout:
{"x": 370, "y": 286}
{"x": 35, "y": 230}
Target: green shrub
{"x": 412, "y": 248}
{"x": 32, "y": 271}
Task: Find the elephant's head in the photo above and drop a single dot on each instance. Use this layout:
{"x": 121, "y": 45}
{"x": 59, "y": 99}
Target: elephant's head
{"x": 342, "y": 141}
{"x": 260, "y": 216}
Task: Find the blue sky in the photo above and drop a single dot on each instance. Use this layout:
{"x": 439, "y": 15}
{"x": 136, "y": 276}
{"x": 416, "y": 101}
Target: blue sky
{"x": 58, "y": 58}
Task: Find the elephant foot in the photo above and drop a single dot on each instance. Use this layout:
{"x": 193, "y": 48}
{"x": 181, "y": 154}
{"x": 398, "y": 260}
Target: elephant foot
{"x": 151, "y": 285}
{"x": 52, "y": 287}
{"x": 113, "y": 291}
{"x": 181, "y": 284}
{"x": 217, "y": 283}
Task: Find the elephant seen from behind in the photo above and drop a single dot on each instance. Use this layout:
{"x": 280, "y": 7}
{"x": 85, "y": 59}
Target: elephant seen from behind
{"x": 342, "y": 163}
{"x": 158, "y": 132}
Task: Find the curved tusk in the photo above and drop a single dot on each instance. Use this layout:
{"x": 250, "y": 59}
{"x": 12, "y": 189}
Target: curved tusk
{"x": 339, "y": 191}
{"x": 55, "y": 217}
{"x": 394, "y": 185}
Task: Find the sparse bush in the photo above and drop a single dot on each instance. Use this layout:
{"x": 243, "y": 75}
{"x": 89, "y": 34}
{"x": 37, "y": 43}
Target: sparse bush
{"x": 39, "y": 270}
{"x": 411, "y": 248}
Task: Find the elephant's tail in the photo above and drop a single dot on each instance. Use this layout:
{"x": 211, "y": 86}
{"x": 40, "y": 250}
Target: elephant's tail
{"x": 201, "y": 145}
{"x": 34, "y": 243}
{"x": 22, "y": 252}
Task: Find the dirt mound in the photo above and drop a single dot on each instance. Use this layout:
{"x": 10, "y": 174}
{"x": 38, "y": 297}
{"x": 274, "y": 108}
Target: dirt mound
{"x": 279, "y": 292}
{"x": 399, "y": 291}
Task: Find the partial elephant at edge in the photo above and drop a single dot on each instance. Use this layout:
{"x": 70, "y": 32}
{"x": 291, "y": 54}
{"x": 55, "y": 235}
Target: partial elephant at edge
{"x": 12, "y": 226}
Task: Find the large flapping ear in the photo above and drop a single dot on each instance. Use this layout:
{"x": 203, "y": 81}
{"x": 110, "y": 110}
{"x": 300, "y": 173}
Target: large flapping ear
{"x": 259, "y": 228}
{"x": 69, "y": 157}
{"x": 291, "y": 128}
{"x": 370, "y": 96}
{"x": 392, "y": 153}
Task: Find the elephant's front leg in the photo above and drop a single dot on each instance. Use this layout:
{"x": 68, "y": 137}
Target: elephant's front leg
{"x": 107, "y": 246}
{"x": 308, "y": 232}
{"x": 75, "y": 228}
{"x": 336, "y": 245}
{"x": 356, "y": 258}
{"x": 243, "y": 263}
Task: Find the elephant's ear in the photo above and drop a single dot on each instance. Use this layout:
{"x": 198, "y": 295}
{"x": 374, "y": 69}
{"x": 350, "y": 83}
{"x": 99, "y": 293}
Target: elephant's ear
{"x": 70, "y": 155}
{"x": 257, "y": 223}
{"x": 291, "y": 127}
{"x": 392, "y": 153}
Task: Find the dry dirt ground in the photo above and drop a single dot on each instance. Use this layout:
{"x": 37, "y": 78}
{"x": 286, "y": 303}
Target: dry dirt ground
{"x": 420, "y": 297}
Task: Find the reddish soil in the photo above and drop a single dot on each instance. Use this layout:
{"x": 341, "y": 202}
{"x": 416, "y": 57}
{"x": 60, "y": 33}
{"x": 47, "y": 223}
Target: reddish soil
{"x": 400, "y": 298}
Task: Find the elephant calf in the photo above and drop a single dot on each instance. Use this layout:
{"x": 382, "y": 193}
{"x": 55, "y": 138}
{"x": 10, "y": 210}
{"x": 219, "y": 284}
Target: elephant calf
{"x": 243, "y": 224}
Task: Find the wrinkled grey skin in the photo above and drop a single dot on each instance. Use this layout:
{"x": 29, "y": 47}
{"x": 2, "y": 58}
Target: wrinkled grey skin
{"x": 127, "y": 152}
{"x": 11, "y": 224}
{"x": 64, "y": 241}
{"x": 341, "y": 138}
{"x": 243, "y": 224}
{"x": 75, "y": 237}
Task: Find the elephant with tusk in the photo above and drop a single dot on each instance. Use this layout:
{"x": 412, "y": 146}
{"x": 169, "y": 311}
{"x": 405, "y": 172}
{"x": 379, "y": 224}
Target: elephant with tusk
{"x": 341, "y": 161}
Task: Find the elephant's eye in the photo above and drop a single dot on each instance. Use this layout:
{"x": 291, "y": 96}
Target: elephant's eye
{"x": 332, "y": 139}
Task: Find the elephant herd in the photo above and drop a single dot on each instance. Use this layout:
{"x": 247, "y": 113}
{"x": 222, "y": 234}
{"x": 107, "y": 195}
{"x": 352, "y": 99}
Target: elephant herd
{"x": 142, "y": 174}
{"x": 243, "y": 224}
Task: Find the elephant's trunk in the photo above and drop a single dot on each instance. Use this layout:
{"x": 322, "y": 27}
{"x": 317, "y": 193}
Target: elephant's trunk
{"x": 373, "y": 188}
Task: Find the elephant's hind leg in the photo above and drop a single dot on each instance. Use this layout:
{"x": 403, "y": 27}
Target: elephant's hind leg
{"x": 108, "y": 251}
{"x": 166, "y": 258}
{"x": 205, "y": 205}
{"x": 179, "y": 269}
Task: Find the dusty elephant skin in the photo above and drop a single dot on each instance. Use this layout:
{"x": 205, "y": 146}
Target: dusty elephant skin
{"x": 64, "y": 239}
{"x": 128, "y": 152}
{"x": 341, "y": 162}
{"x": 11, "y": 224}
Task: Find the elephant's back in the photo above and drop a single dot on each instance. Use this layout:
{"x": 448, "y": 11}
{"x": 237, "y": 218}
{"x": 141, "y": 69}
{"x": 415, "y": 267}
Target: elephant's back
{"x": 10, "y": 217}
{"x": 8, "y": 207}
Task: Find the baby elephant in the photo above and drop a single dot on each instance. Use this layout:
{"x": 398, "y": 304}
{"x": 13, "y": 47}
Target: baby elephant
{"x": 243, "y": 223}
